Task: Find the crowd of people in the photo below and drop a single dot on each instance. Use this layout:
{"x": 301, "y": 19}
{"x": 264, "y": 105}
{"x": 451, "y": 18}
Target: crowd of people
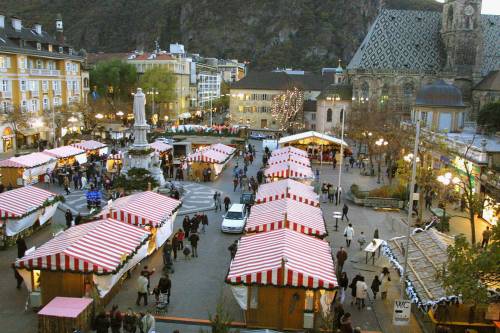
{"x": 128, "y": 322}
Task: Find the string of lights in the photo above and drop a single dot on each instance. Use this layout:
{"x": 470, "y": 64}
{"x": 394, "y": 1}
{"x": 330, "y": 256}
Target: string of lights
{"x": 287, "y": 109}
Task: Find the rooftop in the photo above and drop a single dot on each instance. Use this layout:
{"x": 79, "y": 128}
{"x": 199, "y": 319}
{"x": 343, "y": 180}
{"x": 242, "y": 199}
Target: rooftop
{"x": 281, "y": 81}
{"x": 490, "y": 83}
{"x": 439, "y": 94}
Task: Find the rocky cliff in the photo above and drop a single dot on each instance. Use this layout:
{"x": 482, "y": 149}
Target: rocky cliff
{"x": 309, "y": 34}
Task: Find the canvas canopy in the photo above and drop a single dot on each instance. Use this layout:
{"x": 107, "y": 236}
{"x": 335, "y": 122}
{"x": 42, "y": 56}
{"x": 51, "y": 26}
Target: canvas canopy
{"x": 287, "y": 158}
{"x": 287, "y": 188}
{"x": 289, "y": 151}
{"x": 311, "y": 137}
{"x": 92, "y": 145}
{"x": 27, "y": 161}
{"x": 261, "y": 258}
{"x": 208, "y": 155}
{"x": 223, "y": 148}
{"x": 289, "y": 169}
{"x": 160, "y": 147}
{"x": 67, "y": 151}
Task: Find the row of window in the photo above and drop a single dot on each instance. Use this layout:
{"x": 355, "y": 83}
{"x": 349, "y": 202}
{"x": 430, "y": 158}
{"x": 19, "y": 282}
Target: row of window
{"x": 254, "y": 97}
{"x": 34, "y": 85}
{"x": 25, "y": 63}
{"x": 260, "y": 109}
{"x": 32, "y": 105}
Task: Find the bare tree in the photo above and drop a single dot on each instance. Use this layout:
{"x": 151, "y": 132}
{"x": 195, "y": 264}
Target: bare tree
{"x": 17, "y": 119}
{"x": 287, "y": 109}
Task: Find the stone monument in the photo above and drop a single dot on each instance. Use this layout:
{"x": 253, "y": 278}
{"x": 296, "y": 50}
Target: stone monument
{"x": 140, "y": 154}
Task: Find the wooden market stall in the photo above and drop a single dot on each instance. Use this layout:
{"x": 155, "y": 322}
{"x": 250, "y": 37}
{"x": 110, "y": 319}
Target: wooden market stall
{"x": 26, "y": 169}
{"x": 278, "y": 284}
{"x": 88, "y": 260}
{"x": 65, "y": 314}
{"x": 289, "y": 150}
{"x": 149, "y": 210}
{"x": 319, "y": 147}
{"x": 287, "y": 188}
{"x": 67, "y": 155}
{"x": 161, "y": 148}
{"x": 92, "y": 147}
{"x": 287, "y": 213}
{"x": 114, "y": 162}
{"x": 276, "y": 159}
{"x": 214, "y": 157}
{"x": 24, "y": 209}
{"x": 289, "y": 169}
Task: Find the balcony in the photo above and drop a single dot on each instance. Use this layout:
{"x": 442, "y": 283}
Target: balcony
{"x": 44, "y": 72}
{"x": 5, "y": 94}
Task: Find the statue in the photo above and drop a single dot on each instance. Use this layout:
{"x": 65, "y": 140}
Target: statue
{"x": 139, "y": 108}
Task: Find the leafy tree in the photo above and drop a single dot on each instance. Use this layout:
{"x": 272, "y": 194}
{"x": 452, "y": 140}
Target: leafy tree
{"x": 162, "y": 80}
{"x": 137, "y": 179}
{"x": 489, "y": 117}
{"x": 114, "y": 79}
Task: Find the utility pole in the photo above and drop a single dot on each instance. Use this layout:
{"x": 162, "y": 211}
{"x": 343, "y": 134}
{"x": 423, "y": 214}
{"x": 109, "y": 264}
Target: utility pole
{"x": 341, "y": 147}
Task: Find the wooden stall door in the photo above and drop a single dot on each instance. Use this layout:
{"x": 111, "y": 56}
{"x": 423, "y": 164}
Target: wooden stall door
{"x": 268, "y": 309}
{"x": 65, "y": 284}
{"x": 293, "y": 309}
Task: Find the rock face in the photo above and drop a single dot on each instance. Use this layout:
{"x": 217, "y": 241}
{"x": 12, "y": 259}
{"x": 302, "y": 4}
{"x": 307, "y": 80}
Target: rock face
{"x": 301, "y": 33}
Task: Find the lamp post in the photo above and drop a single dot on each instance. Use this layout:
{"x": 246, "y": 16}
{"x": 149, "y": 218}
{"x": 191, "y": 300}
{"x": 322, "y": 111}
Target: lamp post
{"x": 152, "y": 92}
{"x": 380, "y": 143}
{"x": 446, "y": 180}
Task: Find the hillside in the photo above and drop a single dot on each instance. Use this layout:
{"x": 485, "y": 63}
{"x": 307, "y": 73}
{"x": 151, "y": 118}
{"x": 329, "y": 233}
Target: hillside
{"x": 295, "y": 33}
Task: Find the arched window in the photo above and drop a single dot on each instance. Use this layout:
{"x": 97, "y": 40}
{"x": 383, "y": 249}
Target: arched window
{"x": 329, "y": 115}
{"x": 408, "y": 90}
{"x": 86, "y": 82}
{"x": 365, "y": 90}
{"x": 449, "y": 18}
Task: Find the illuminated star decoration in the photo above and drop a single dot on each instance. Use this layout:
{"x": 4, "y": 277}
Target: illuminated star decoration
{"x": 287, "y": 108}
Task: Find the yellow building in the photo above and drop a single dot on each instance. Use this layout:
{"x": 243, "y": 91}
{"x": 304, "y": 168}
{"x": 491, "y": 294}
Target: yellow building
{"x": 38, "y": 73}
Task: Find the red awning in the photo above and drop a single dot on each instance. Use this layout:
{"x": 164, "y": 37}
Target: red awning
{"x": 64, "y": 151}
{"x": 27, "y": 161}
{"x": 289, "y": 169}
{"x": 289, "y": 150}
{"x": 22, "y": 200}
{"x": 287, "y": 188}
{"x": 89, "y": 145}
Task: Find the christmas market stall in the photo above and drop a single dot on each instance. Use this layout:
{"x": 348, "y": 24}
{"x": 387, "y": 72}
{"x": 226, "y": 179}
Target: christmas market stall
{"x": 161, "y": 148}
{"x": 26, "y": 169}
{"x": 276, "y": 159}
{"x": 88, "y": 260}
{"x": 222, "y": 148}
{"x": 114, "y": 162}
{"x": 287, "y": 213}
{"x": 92, "y": 147}
{"x": 283, "y": 279}
{"x": 289, "y": 169}
{"x": 149, "y": 210}
{"x": 289, "y": 150}
{"x": 65, "y": 314}
{"x": 287, "y": 188}
{"x": 206, "y": 159}
{"x": 319, "y": 147}
{"x": 23, "y": 209}
{"x": 67, "y": 155}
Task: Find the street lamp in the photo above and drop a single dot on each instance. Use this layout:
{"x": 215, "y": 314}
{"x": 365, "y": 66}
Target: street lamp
{"x": 120, "y": 113}
{"x": 99, "y": 116}
{"x": 446, "y": 180}
{"x": 380, "y": 143}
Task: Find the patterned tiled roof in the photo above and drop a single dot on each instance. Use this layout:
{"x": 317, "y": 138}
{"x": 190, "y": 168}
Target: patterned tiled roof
{"x": 410, "y": 40}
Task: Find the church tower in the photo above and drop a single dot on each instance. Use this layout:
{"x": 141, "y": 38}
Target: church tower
{"x": 461, "y": 34}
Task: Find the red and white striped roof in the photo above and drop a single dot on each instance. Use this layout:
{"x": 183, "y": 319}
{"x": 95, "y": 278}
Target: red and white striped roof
{"x": 289, "y": 150}
{"x": 95, "y": 247}
{"x": 287, "y": 188}
{"x": 289, "y": 169}
{"x": 64, "y": 151}
{"x": 145, "y": 208}
{"x": 307, "y": 260}
{"x": 207, "y": 155}
{"x": 161, "y": 147}
{"x": 291, "y": 157}
{"x": 89, "y": 145}
{"x": 286, "y": 213}
{"x": 22, "y": 200}
{"x": 27, "y": 161}
{"x": 222, "y": 148}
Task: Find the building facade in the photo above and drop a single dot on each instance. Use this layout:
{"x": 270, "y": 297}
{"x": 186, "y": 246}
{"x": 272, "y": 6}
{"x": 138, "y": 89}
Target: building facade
{"x": 38, "y": 73}
{"x": 208, "y": 81}
{"x": 231, "y": 70}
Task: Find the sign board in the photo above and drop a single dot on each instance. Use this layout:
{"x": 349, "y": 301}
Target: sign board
{"x": 402, "y": 312}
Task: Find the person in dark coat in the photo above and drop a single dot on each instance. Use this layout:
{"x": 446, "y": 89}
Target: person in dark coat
{"x": 227, "y": 202}
{"x": 175, "y": 245}
{"x": 21, "y": 247}
{"x": 353, "y": 287}
{"x": 167, "y": 252}
{"x": 338, "y": 312}
{"x": 130, "y": 322}
{"x": 204, "y": 222}
{"x": 101, "y": 323}
{"x": 375, "y": 286}
{"x": 193, "y": 239}
{"x": 345, "y": 209}
{"x": 69, "y": 217}
{"x": 346, "y": 323}
{"x": 115, "y": 319}
{"x": 233, "y": 248}
{"x": 18, "y": 277}
{"x": 164, "y": 286}
{"x": 195, "y": 223}
{"x": 186, "y": 225}
{"x": 341, "y": 258}
{"x": 78, "y": 219}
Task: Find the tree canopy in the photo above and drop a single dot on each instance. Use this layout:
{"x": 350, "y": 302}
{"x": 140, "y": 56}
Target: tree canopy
{"x": 113, "y": 79}
{"x": 489, "y": 117}
{"x": 161, "y": 80}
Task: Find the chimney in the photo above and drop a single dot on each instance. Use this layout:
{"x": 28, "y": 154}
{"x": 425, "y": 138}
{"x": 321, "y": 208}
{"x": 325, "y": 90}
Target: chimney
{"x": 38, "y": 28}
{"x": 17, "y": 24}
{"x": 59, "y": 29}
{"x": 2, "y": 21}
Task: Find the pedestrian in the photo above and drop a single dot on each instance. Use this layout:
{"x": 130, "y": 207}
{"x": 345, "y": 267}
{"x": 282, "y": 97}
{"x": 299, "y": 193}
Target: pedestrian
{"x": 353, "y": 287}
{"x": 334, "y": 162}
{"x": 101, "y": 322}
{"x": 339, "y": 195}
{"x": 343, "y": 284}
{"x": 361, "y": 292}
{"x": 116, "y": 319}
{"x": 227, "y": 202}
{"x": 233, "y": 248}
{"x": 17, "y": 276}
{"x": 21, "y": 247}
{"x": 341, "y": 258}
{"x": 66, "y": 184}
{"x": 324, "y": 192}
{"x": 164, "y": 288}
{"x": 331, "y": 193}
{"x": 142, "y": 290}
{"x": 346, "y": 323}
{"x": 69, "y": 218}
{"x": 216, "y": 204}
{"x": 147, "y": 273}
{"x": 385, "y": 278}
{"x": 148, "y": 323}
{"x": 78, "y": 219}
{"x": 345, "y": 210}
{"x": 375, "y": 287}
{"x": 186, "y": 225}
{"x": 130, "y": 322}
{"x": 167, "y": 252}
{"x": 180, "y": 237}
{"x": 338, "y": 312}
{"x": 428, "y": 200}
{"x": 361, "y": 240}
{"x": 175, "y": 245}
{"x": 348, "y": 234}
{"x": 193, "y": 240}
{"x": 235, "y": 183}
{"x": 186, "y": 251}
{"x": 204, "y": 222}
{"x": 486, "y": 237}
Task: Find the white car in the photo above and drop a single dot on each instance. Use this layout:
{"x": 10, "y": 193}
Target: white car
{"x": 235, "y": 219}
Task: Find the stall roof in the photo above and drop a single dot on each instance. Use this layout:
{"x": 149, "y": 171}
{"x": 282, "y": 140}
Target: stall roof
{"x": 89, "y": 145}
{"x": 289, "y": 150}
{"x": 291, "y": 157}
{"x": 144, "y": 208}
{"x": 287, "y": 188}
{"x": 286, "y": 213}
{"x": 223, "y": 148}
{"x": 100, "y": 247}
{"x": 289, "y": 169}
{"x": 426, "y": 256}
{"x": 160, "y": 146}
{"x": 27, "y": 161}
{"x": 311, "y": 136}
{"x": 207, "y": 155}
{"x": 22, "y": 200}
{"x": 64, "y": 151}
{"x": 260, "y": 258}
{"x": 65, "y": 307}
